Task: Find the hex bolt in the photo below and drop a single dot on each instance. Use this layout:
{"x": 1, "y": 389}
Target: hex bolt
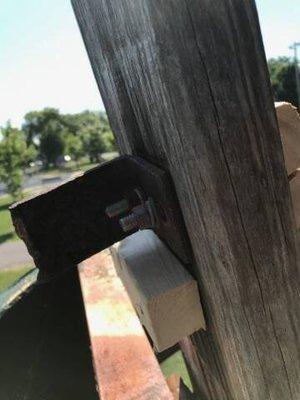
{"x": 116, "y": 209}
{"x": 141, "y": 217}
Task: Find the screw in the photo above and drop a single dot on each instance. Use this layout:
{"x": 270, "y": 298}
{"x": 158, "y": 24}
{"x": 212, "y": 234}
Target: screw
{"x": 141, "y": 217}
{"x": 118, "y": 208}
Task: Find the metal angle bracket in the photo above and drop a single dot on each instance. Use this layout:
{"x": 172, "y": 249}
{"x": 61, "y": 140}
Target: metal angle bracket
{"x": 67, "y": 224}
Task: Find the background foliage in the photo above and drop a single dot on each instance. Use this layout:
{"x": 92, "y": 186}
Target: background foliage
{"x": 47, "y": 136}
{"x": 283, "y": 79}
{"x": 54, "y": 134}
{"x": 14, "y": 155}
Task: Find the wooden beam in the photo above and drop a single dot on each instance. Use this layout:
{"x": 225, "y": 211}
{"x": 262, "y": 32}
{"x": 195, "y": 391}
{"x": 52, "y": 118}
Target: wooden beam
{"x": 124, "y": 363}
{"x": 164, "y": 294}
{"x": 186, "y": 85}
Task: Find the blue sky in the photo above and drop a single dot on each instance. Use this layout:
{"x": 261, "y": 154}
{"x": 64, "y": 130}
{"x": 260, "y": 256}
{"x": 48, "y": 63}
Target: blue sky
{"x": 43, "y": 61}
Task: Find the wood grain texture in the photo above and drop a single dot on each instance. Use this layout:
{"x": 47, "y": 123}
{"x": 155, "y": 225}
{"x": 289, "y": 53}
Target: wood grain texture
{"x": 185, "y": 84}
{"x": 164, "y": 294}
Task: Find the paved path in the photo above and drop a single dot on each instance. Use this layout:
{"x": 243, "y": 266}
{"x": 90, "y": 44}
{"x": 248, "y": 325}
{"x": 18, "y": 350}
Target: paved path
{"x": 14, "y": 254}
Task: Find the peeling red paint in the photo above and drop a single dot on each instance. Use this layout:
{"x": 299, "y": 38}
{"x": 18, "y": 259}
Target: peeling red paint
{"x": 124, "y": 363}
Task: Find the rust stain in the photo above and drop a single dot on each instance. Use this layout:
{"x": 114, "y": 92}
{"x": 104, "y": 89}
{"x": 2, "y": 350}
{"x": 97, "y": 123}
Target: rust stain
{"x": 124, "y": 363}
{"x": 173, "y": 382}
{"x": 128, "y": 369}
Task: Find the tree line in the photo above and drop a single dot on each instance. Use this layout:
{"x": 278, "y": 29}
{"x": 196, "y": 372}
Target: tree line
{"x": 53, "y": 134}
{"x": 47, "y": 136}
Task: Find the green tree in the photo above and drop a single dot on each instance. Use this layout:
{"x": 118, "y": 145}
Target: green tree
{"x": 94, "y": 131}
{"x": 74, "y": 146}
{"x": 87, "y": 132}
{"x": 14, "y": 155}
{"x": 52, "y": 142}
{"x": 109, "y": 140}
{"x": 36, "y": 122}
{"x": 108, "y": 136}
{"x": 283, "y": 79}
{"x": 94, "y": 145}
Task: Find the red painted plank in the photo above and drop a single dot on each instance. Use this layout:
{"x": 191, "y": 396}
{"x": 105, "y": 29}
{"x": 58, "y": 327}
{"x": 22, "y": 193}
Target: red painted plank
{"x": 124, "y": 363}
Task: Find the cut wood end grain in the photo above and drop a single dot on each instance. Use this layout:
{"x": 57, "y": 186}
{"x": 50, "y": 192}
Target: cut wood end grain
{"x": 164, "y": 294}
{"x": 289, "y": 126}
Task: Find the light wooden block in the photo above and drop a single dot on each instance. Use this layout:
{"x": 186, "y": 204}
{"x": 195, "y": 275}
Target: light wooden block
{"x": 164, "y": 294}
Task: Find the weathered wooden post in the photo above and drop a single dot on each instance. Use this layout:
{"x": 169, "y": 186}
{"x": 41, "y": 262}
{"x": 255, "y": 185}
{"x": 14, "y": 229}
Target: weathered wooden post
{"x": 186, "y": 86}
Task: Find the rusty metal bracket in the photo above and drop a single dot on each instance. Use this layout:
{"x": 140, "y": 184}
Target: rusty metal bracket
{"x": 73, "y": 221}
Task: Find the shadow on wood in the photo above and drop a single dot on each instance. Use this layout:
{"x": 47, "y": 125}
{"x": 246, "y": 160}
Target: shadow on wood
{"x": 44, "y": 345}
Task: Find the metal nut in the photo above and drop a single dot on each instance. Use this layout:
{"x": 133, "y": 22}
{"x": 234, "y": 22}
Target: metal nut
{"x": 141, "y": 217}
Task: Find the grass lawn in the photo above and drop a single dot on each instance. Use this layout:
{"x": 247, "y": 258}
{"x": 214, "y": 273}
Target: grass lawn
{"x": 7, "y": 231}
{"x": 11, "y": 275}
{"x": 83, "y": 165}
{"x": 175, "y": 365}
{"x": 86, "y": 167}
